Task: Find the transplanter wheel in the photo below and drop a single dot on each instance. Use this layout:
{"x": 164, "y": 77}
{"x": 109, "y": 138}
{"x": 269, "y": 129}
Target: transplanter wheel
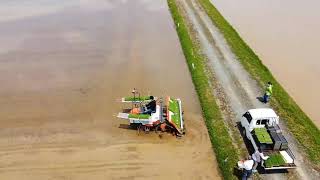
{"x": 157, "y": 128}
{"x": 178, "y": 136}
{"x": 146, "y": 129}
{"x": 139, "y": 129}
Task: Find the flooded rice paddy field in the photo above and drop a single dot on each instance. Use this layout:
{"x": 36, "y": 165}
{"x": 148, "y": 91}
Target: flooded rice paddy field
{"x": 285, "y": 35}
{"x": 64, "y": 64}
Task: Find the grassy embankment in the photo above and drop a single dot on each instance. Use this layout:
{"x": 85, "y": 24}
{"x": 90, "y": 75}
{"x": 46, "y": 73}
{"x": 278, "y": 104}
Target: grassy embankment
{"x": 299, "y": 124}
{"x": 226, "y": 153}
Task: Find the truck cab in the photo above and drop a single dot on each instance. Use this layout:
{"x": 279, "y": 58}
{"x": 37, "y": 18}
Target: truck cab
{"x": 259, "y": 118}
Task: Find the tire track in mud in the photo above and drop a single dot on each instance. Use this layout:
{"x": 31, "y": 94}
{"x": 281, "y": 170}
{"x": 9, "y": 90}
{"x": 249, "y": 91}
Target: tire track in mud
{"x": 121, "y": 158}
{"x": 83, "y": 161}
{"x": 127, "y": 159}
{"x": 238, "y": 89}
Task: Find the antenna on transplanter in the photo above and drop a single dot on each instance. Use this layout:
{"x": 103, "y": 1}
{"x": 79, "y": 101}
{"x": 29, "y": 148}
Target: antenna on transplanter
{"x": 134, "y": 93}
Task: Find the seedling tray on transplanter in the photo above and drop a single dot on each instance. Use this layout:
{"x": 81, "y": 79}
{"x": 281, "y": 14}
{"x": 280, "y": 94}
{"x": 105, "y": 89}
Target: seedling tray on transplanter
{"x": 139, "y": 116}
{"x": 275, "y": 160}
{"x": 263, "y": 136}
{"x": 175, "y": 109}
{"x": 141, "y": 98}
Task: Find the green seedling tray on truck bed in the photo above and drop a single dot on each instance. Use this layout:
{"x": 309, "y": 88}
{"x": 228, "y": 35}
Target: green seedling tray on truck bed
{"x": 263, "y": 135}
{"x": 274, "y": 160}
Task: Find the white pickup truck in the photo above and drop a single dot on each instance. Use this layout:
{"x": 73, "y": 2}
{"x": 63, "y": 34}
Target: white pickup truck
{"x": 261, "y": 127}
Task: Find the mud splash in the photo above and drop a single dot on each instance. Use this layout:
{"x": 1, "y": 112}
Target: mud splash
{"x": 61, "y": 71}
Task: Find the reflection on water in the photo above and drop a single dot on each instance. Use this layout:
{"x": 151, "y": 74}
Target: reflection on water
{"x": 285, "y": 34}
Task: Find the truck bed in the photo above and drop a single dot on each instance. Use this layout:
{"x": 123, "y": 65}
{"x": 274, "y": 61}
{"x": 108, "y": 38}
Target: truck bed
{"x": 280, "y": 155}
{"x": 278, "y": 160}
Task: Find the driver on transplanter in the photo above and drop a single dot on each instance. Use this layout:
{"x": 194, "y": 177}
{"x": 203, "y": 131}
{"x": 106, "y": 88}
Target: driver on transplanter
{"x": 150, "y": 107}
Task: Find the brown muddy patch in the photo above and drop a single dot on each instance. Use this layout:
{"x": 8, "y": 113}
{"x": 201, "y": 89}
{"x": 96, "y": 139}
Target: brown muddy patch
{"x": 62, "y": 68}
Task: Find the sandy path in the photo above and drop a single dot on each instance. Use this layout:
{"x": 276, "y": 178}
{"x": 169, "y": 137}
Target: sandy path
{"x": 239, "y": 90}
{"x": 61, "y": 74}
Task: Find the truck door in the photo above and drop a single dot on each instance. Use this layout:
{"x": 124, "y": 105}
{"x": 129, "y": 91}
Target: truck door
{"x": 246, "y": 119}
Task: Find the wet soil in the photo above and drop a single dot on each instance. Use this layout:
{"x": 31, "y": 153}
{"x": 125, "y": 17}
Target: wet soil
{"x": 235, "y": 90}
{"x": 63, "y": 67}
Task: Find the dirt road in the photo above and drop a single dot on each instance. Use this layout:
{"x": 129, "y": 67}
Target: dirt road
{"x": 62, "y": 67}
{"x": 285, "y": 36}
{"x": 237, "y": 92}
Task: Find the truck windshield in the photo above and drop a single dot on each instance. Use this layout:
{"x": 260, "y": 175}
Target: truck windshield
{"x": 247, "y": 115}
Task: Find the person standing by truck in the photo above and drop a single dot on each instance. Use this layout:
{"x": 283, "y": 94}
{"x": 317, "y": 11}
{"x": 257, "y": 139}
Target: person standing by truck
{"x": 247, "y": 166}
{"x": 268, "y": 92}
{"x": 257, "y": 159}
{"x": 247, "y": 171}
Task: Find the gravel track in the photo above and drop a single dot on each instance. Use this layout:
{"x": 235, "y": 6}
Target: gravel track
{"x": 240, "y": 91}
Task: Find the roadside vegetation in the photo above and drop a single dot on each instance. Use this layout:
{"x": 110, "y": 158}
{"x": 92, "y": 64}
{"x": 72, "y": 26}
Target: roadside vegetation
{"x": 298, "y": 123}
{"x": 226, "y": 153}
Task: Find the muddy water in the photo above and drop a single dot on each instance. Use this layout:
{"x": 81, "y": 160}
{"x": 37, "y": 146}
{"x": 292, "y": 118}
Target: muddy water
{"x": 64, "y": 64}
{"x": 285, "y": 34}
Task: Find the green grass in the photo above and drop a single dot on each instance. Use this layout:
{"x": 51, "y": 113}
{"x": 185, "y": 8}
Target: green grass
{"x": 227, "y": 155}
{"x": 299, "y": 124}
{"x": 274, "y": 160}
{"x": 174, "y": 107}
{"x": 139, "y": 116}
{"x": 141, "y": 98}
{"x": 263, "y": 135}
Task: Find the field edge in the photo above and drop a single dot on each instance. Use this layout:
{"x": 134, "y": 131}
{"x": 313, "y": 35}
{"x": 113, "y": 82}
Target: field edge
{"x": 225, "y": 151}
